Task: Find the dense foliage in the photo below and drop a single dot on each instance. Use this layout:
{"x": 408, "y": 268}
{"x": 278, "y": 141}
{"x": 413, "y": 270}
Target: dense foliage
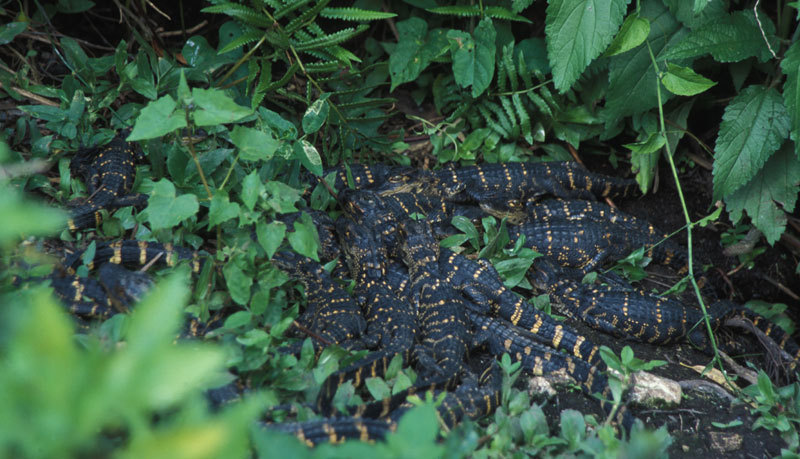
{"x": 232, "y": 121}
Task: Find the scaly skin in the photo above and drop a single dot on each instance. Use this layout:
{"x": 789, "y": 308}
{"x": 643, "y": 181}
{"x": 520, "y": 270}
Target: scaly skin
{"x": 109, "y": 173}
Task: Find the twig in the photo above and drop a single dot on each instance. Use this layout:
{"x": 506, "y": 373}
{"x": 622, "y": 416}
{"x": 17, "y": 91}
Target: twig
{"x": 761, "y": 28}
{"x": 172, "y": 33}
{"x": 30, "y": 95}
{"x": 310, "y": 333}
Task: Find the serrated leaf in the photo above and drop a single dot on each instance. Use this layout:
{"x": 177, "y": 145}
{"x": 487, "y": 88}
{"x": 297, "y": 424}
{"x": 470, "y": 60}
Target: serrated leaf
{"x": 457, "y": 10}
{"x": 157, "y": 119}
{"x": 754, "y": 125}
{"x": 790, "y": 65}
{"x": 776, "y": 182}
{"x": 221, "y": 209}
{"x": 577, "y": 31}
{"x": 473, "y": 59}
{"x": 215, "y": 107}
{"x": 633, "y": 33}
{"x": 165, "y": 209}
{"x": 731, "y": 38}
{"x": 252, "y": 188}
{"x": 683, "y": 81}
{"x": 316, "y": 114}
{"x": 354, "y": 14}
{"x": 253, "y": 144}
{"x": 644, "y": 159}
{"x": 631, "y": 76}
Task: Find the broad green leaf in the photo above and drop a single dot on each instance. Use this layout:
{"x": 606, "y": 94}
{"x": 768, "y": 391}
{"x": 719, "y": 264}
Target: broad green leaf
{"x": 157, "y": 119}
{"x": 304, "y": 239}
{"x": 730, "y": 38}
{"x": 11, "y": 30}
{"x": 633, "y": 33}
{"x": 378, "y": 388}
{"x": 790, "y": 65}
{"x": 281, "y": 197}
{"x": 415, "y": 50}
{"x": 473, "y": 59}
{"x": 416, "y": 434}
{"x": 577, "y": 31}
{"x": 270, "y": 235}
{"x": 316, "y": 114}
{"x": 221, "y": 209}
{"x": 683, "y": 81}
{"x": 165, "y": 209}
{"x": 776, "y": 183}
{"x": 754, "y": 125}
{"x": 252, "y": 188}
{"x": 688, "y": 15}
{"x": 631, "y": 76}
{"x": 215, "y": 107}
{"x": 74, "y": 6}
{"x": 253, "y": 144}
{"x": 308, "y": 156}
{"x": 237, "y": 281}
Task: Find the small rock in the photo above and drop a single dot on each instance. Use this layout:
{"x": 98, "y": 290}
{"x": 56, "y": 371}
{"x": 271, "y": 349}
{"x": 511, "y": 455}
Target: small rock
{"x": 725, "y": 442}
{"x": 654, "y": 391}
{"x": 545, "y": 385}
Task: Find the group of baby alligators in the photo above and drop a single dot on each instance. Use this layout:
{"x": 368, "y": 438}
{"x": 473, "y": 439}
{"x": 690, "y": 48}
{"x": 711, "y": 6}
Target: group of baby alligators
{"x": 432, "y": 307}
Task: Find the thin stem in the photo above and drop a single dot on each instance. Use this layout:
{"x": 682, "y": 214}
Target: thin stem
{"x": 689, "y": 223}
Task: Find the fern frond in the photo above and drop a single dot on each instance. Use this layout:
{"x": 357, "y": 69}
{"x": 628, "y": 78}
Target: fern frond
{"x": 524, "y": 118}
{"x": 498, "y": 12}
{"x": 264, "y": 79}
{"x": 354, "y": 14}
{"x": 330, "y": 40}
{"x": 249, "y": 36}
{"x": 323, "y": 67}
{"x": 508, "y": 109}
{"x": 343, "y": 55}
{"x": 288, "y": 7}
{"x": 307, "y": 17}
{"x": 241, "y": 12}
{"x": 457, "y": 10}
{"x": 380, "y": 102}
{"x": 511, "y": 69}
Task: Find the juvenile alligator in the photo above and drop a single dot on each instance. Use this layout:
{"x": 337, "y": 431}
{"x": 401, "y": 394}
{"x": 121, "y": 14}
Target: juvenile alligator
{"x": 109, "y": 173}
{"x": 481, "y": 283}
{"x": 587, "y": 244}
{"x": 331, "y": 312}
{"x": 364, "y": 176}
{"x": 441, "y": 310}
{"x": 635, "y": 314}
{"x": 135, "y": 253}
{"x": 500, "y": 183}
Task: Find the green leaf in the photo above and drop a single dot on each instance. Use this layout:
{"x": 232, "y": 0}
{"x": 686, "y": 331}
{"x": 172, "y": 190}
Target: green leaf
{"x": 732, "y": 38}
{"x": 415, "y": 50}
{"x": 270, "y": 235}
{"x": 216, "y": 107}
{"x": 252, "y": 188}
{"x": 281, "y": 197}
{"x": 631, "y": 76}
{"x": 238, "y": 282}
{"x": 221, "y": 209}
{"x": 633, "y": 33}
{"x": 790, "y": 65}
{"x": 473, "y": 60}
{"x": 754, "y": 125}
{"x": 573, "y": 427}
{"x": 11, "y": 30}
{"x": 308, "y": 156}
{"x": 24, "y": 218}
{"x": 165, "y": 209}
{"x": 416, "y": 434}
{"x": 316, "y": 114}
{"x": 157, "y": 119}
{"x": 683, "y": 81}
{"x": 776, "y": 183}
{"x": 378, "y": 388}
{"x": 577, "y": 31}
{"x": 304, "y": 239}
{"x": 253, "y": 144}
